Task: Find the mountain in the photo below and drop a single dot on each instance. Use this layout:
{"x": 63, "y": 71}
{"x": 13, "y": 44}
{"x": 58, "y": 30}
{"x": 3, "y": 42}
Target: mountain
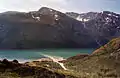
{"x": 103, "y": 24}
{"x": 45, "y": 28}
{"x": 102, "y": 63}
{"x": 82, "y": 17}
{"x": 48, "y": 28}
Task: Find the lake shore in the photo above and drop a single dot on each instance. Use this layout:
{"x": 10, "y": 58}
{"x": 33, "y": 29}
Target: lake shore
{"x": 53, "y": 59}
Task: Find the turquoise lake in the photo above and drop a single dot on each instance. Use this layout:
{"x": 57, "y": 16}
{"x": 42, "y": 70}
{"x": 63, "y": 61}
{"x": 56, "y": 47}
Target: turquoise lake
{"x": 30, "y": 55}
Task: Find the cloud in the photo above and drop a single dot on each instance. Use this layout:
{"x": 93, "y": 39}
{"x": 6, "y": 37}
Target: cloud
{"x": 27, "y": 5}
{"x": 61, "y": 5}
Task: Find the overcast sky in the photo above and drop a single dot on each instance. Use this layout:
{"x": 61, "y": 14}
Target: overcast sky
{"x": 61, "y": 5}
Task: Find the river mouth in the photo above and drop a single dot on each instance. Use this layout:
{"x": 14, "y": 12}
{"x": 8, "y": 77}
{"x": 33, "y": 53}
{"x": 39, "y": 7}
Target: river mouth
{"x": 30, "y": 55}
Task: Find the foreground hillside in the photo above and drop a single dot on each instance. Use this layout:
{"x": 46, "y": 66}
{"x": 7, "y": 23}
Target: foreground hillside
{"x": 15, "y": 70}
{"x": 102, "y": 63}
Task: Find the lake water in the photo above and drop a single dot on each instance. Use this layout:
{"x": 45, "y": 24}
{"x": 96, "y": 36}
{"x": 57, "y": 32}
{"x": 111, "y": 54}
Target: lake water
{"x": 30, "y": 55}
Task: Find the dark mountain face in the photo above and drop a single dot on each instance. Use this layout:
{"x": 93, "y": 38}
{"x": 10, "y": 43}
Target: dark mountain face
{"x": 48, "y": 28}
{"x": 45, "y": 28}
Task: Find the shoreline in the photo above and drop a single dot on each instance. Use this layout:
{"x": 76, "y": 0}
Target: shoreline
{"x": 56, "y": 60}
{"x": 45, "y": 58}
{"x": 50, "y": 58}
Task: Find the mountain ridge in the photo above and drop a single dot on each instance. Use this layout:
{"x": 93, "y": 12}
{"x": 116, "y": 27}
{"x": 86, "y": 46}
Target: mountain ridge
{"x": 56, "y": 30}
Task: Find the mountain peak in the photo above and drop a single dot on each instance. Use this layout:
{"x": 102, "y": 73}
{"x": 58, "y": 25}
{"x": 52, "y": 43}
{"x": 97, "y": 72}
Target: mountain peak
{"x": 46, "y": 10}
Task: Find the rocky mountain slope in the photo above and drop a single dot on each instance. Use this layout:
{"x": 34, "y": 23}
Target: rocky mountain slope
{"x": 102, "y": 63}
{"x": 48, "y": 28}
{"x": 102, "y": 25}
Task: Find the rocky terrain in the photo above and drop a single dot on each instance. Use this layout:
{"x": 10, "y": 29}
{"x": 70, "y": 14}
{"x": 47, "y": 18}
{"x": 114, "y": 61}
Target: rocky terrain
{"x": 48, "y": 28}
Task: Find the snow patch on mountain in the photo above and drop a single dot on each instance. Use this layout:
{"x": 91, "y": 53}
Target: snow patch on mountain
{"x": 36, "y": 18}
{"x": 79, "y": 18}
{"x": 109, "y": 14}
{"x": 56, "y": 17}
{"x": 51, "y": 10}
{"x": 118, "y": 27}
{"x": 108, "y": 19}
{"x": 85, "y": 20}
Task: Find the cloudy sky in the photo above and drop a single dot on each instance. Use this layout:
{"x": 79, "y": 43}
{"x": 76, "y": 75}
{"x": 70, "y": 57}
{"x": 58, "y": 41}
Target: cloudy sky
{"x": 61, "y": 5}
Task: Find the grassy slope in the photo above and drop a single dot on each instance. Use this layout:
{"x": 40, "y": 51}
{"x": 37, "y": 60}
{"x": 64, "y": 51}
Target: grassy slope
{"x": 104, "y": 62}
{"x": 16, "y": 70}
